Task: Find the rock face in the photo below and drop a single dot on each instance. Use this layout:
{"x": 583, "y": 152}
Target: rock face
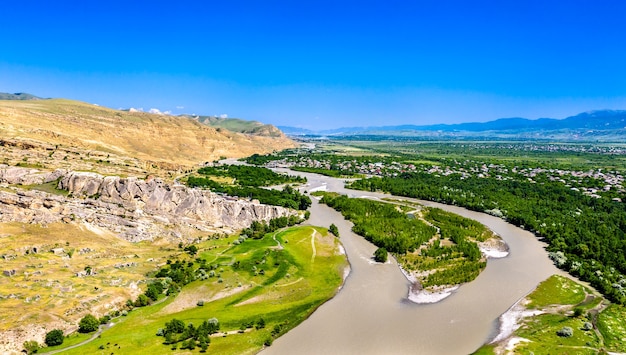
{"x": 134, "y": 209}
{"x": 26, "y": 176}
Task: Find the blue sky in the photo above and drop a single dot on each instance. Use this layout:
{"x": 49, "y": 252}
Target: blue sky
{"x": 322, "y": 64}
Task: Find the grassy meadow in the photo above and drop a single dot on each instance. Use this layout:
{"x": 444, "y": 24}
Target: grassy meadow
{"x": 281, "y": 278}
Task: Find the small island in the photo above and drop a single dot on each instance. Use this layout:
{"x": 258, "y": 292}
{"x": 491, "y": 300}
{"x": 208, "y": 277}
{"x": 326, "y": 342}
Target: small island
{"x": 436, "y": 250}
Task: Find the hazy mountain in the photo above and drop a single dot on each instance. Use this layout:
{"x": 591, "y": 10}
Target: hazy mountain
{"x": 608, "y": 122}
{"x": 18, "y": 96}
{"x": 255, "y": 128}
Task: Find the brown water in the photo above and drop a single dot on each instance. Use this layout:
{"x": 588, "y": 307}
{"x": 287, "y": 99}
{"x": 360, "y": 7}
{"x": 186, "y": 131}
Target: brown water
{"x": 372, "y": 315}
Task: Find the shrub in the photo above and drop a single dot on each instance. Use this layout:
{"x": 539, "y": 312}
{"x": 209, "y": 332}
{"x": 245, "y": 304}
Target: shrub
{"x": 587, "y": 326}
{"x": 142, "y": 301}
{"x": 565, "y": 332}
{"x": 334, "y": 230}
{"x": 578, "y": 311}
{"x": 31, "y": 346}
{"x": 380, "y": 255}
{"x": 54, "y": 337}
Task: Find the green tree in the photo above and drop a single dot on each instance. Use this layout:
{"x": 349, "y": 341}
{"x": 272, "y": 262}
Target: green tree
{"x": 380, "y": 255}
{"x": 191, "y": 250}
{"x": 174, "y": 326}
{"x": 54, "y": 337}
{"x": 88, "y": 324}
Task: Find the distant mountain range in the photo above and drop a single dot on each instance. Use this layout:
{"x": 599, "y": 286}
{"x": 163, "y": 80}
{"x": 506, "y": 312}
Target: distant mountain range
{"x": 593, "y": 125}
{"x": 600, "y": 125}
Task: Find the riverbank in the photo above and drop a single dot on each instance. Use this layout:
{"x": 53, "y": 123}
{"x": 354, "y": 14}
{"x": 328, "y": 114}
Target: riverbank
{"x": 371, "y": 314}
{"x": 560, "y": 316}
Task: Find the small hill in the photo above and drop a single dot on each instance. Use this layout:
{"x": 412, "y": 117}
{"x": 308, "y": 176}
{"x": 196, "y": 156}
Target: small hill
{"x": 148, "y": 137}
{"x": 18, "y": 96}
{"x": 238, "y": 125}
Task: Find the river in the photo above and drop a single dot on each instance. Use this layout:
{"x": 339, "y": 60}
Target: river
{"x": 372, "y": 315}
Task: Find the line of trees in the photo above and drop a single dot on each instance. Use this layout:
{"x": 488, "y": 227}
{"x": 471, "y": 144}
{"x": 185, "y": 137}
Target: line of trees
{"x": 189, "y": 336}
{"x": 287, "y": 197}
{"x": 381, "y": 223}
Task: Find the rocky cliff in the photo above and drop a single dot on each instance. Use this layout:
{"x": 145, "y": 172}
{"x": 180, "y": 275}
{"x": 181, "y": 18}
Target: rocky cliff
{"x": 135, "y": 209}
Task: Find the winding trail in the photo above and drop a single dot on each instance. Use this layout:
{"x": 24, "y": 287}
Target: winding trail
{"x": 101, "y": 328}
{"x": 93, "y": 337}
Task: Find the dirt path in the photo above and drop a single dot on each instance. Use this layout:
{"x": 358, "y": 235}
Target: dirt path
{"x": 280, "y": 246}
{"x": 313, "y": 245}
{"x": 93, "y": 337}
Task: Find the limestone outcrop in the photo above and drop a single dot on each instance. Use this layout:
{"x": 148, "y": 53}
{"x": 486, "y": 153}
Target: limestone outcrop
{"x": 133, "y": 208}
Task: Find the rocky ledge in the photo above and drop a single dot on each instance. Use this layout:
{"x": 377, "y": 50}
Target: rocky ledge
{"x": 133, "y": 208}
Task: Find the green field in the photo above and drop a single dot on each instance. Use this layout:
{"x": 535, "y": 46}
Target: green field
{"x": 596, "y": 327}
{"x": 301, "y": 269}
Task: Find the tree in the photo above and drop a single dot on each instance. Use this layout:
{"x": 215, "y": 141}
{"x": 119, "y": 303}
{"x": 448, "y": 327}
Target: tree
{"x": 191, "y": 250}
{"x": 54, "y": 337}
{"x": 88, "y": 324}
{"x": 334, "y": 230}
{"x": 175, "y": 326}
{"x": 142, "y": 301}
{"x": 380, "y": 255}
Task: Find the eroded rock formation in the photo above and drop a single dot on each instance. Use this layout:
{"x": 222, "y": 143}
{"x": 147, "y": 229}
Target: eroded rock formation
{"x": 135, "y": 209}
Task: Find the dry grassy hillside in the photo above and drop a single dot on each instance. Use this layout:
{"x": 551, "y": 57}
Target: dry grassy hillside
{"x": 42, "y": 289}
{"x": 144, "y": 136}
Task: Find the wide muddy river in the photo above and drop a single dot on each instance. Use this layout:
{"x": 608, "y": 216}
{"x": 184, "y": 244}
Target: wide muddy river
{"x": 371, "y": 314}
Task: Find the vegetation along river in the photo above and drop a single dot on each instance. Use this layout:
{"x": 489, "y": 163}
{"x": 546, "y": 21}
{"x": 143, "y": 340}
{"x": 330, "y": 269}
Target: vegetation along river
{"x": 372, "y": 314}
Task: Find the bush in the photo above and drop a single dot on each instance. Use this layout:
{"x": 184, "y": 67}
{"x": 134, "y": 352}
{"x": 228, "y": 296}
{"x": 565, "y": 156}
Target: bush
{"x": 142, "y": 301}
{"x": 88, "y": 324}
{"x": 54, "y": 337}
{"x": 587, "y": 326}
{"x": 565, "y": 332}
{"x": 31, "y": 347}
{"x": 380, "y": 255}
{"x": 578, "y": 311}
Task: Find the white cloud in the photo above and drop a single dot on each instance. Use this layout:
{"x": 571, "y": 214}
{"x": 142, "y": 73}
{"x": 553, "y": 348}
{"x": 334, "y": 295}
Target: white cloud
{"x": 223, "y": 115}
{"x": 155, "y": 111}
{"x": 180, "y": 107}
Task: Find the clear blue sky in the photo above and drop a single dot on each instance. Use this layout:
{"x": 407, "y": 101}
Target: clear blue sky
{"x": 320, "y": 63}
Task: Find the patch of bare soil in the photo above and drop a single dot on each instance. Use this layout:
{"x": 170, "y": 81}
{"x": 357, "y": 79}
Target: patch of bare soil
{"x": 189, "y": 298}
